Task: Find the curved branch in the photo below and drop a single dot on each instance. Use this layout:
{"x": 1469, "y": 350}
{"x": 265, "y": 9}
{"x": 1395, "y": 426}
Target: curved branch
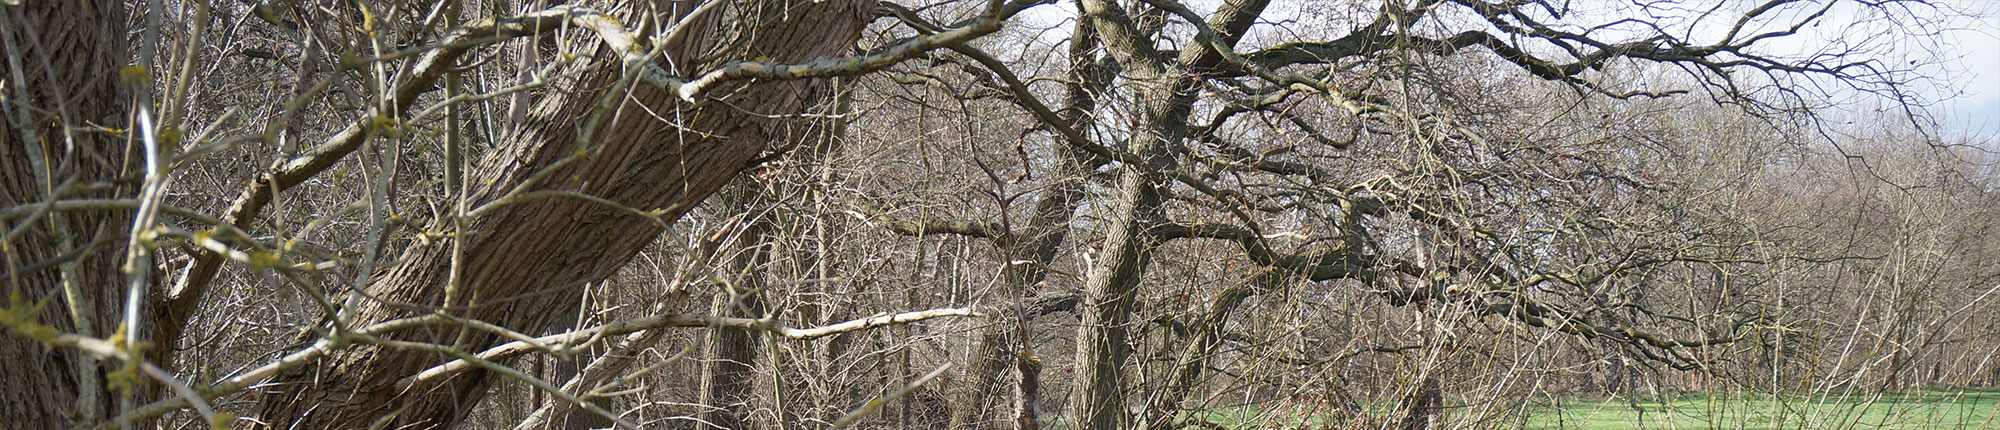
{"x": 571, "y": 339}
{"x": 185, "y": 296}
{"x": 988, "y": 22}
{"x": 338, "y": 341}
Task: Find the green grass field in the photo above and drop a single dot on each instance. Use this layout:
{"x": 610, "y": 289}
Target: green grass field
{"x": 1930, "y": 409}
{"x": 1936, "y": 409}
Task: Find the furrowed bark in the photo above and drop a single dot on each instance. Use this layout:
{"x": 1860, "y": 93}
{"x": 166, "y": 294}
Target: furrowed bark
{"x": 729, "y": 376}
{"x": 523, "y": 260}
{"x": 1168, "y": 93}
{"x": 61, "y": 67}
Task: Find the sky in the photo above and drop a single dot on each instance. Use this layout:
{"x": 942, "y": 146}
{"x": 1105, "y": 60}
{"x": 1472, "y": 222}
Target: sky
{"x": 1978, "y": 50}
{"x": 1967, "y": 49}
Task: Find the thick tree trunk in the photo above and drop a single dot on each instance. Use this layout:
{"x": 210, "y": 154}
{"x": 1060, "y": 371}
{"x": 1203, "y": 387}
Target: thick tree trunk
{"x": 1166, "y": 96}
{"x": 729, "y": 376}
{"x": 1109, "y": 289}
{"x": 1038, "y": 243}
{"x": 60, "y": 65}
{"x": 523, "y": 261}
{"x": 1108, "y": 293}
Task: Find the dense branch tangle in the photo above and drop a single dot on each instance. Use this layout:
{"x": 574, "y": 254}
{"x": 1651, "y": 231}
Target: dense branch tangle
{"x": 438, "y": 60}
{"x": 1373, "y": 218}
{"x": 1211, "y": 189}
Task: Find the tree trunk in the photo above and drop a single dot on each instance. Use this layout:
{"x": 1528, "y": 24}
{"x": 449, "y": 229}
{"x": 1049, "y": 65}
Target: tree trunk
{"x": 1422, "y": 406}
{"x": 522, "y": 261}
{"x": 1027, "y": 392}
{"x": 1166, "y": 98}
{"x": 1110, "y": 286}
{"x": 1108, "y": 293}
{"x": 1038, "y": 243}
{"x": 728, "y": 377}
{"x": 68, "y": 54}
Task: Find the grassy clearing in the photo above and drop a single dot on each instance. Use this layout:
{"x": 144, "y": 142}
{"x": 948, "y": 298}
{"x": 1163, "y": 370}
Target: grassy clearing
{"x": 1933, "y": 409}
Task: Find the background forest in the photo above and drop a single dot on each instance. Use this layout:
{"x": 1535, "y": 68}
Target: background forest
{"x": 972, "y": 214}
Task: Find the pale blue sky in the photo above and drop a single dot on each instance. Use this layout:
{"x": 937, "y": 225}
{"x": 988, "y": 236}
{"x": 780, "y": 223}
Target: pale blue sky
{"x": 1977, "y": 112}
{"x": 1968, "y": 99}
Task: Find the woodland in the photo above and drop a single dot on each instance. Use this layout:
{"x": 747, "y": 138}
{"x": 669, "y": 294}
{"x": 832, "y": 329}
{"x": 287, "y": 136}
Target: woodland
{"x": 980, "y": 214}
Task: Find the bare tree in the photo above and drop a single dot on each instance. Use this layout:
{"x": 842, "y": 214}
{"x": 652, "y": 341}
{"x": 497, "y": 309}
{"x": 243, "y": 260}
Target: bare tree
{"x": 378, "y": 215}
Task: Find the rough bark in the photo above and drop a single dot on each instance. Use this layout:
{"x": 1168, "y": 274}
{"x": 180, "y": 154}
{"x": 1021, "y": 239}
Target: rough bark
{"x": 1037, "y": 242}
{"x": 522, "y": 261}
{"x": 1027, "y": 392}
{"x": 1099, "y": 399}
{"x": 1107, "y": 306}
{"x": 729, "y": 376}
{"x": 1167, "y": 96}
{"x": 61, "y": 71}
